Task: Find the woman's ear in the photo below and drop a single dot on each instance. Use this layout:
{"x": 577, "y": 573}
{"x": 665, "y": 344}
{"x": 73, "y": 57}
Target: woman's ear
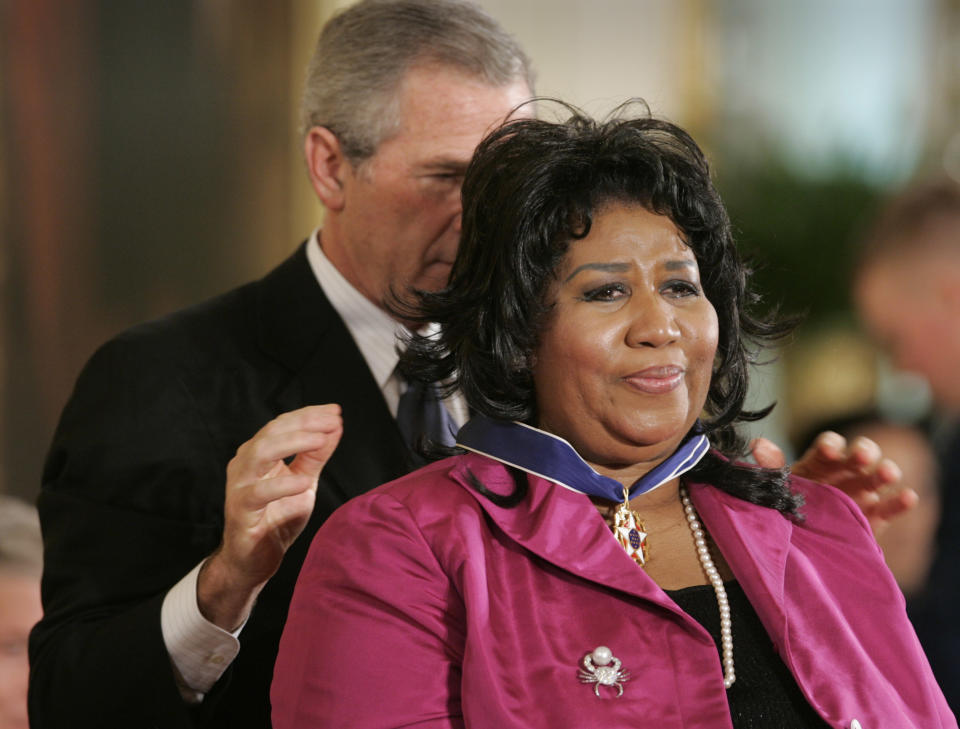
{"x": 327, "y": 166}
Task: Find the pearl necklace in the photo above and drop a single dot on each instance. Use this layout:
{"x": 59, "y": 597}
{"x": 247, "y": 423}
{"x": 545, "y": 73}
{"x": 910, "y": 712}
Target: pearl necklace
{"x": 706, "y": 561}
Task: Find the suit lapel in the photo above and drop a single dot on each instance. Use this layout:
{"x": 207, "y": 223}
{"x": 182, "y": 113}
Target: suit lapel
{"x": 371, "y": 451}
{"x": 755, "y": 542}
{"x": 298, "y": 327}
{"x": 564, "y": 528}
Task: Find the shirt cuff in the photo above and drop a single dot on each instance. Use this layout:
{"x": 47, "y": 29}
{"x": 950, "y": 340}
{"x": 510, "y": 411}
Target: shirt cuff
{"x": 199, "y": 650}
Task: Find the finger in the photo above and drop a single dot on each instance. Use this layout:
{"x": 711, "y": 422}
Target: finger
{"x": 824, "y": 460}
{"x": 767, "y": 454}
{"x": 863, "y": 455}
{"x": 311, "y": 417}
{"x": 263, "y": 456}
{"x": 829, "y": 448}
{"x": 863, "y": 484}
{"x": 289, "y": 515}
{"x": 314, "y": 419}
{"x": 311, "y": 462}
{"x": 894, "y": 505}
{"x": 256, "y": 496}
{"x": 888, "y": 473}
{"x": 866, "y": 499}
{"x": 885, "y": 474}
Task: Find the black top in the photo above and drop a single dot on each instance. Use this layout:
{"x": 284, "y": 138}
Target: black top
{"x": 765, "y": 693}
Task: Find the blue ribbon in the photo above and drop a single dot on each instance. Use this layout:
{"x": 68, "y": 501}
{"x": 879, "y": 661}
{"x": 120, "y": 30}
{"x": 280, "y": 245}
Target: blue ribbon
{"x": 548, "y": 456}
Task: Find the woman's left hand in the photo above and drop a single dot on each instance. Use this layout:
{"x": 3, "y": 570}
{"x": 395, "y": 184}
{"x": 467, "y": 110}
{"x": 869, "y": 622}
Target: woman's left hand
{"x": 857, "y": 468}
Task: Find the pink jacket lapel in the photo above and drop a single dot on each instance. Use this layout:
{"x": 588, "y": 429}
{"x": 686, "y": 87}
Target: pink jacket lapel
{"x": 562, "y": 527}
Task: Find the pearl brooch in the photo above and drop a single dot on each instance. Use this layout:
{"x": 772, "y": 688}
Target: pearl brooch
{"x": 598, "y": 671}
{"x": 710, "y": 569}
{"x": 601, "y": 655}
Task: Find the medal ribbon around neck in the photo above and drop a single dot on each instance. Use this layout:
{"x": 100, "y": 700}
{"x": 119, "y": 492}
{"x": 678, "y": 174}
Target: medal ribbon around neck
{"x": 548, "y": 456}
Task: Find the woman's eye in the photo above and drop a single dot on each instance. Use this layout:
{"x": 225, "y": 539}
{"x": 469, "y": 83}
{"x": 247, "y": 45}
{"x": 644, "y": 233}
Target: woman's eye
{"x": 607, "y": 292}
{"x": 679, "y": 289}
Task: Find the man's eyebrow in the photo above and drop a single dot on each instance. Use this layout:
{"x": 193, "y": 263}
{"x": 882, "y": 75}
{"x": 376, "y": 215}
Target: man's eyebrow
{"x": 609, "y": 267}
{"x": 445, "y": 164}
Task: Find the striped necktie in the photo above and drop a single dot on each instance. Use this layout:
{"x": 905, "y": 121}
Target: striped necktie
{"x": 421, "y": 414}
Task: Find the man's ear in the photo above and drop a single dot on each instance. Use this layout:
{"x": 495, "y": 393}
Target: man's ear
{"x": 326, "y": 165}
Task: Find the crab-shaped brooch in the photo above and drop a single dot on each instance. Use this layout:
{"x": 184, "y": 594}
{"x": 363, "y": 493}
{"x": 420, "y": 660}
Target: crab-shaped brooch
{"x": 598, "y": 671}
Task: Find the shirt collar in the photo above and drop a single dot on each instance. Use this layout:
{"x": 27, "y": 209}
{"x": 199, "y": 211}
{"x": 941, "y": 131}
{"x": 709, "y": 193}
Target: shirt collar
{"x": 375, "y": 332}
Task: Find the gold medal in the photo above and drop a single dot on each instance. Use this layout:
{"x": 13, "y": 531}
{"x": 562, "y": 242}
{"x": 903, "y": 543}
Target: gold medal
{"x": 629, "y": 531}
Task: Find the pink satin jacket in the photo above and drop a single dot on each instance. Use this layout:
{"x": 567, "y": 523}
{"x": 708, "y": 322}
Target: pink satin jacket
{"x": 422, "y": 604}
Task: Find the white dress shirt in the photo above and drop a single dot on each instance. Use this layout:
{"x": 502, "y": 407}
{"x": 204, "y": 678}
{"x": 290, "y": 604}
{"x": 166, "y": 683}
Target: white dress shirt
{"x": 199, "y": 650}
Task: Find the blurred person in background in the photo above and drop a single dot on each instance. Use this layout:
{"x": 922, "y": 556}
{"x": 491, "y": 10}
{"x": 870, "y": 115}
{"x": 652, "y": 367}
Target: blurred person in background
{"x": 21, "y": 561}
{"x": 907, "y": 291}
{"x": 174, "y": 522}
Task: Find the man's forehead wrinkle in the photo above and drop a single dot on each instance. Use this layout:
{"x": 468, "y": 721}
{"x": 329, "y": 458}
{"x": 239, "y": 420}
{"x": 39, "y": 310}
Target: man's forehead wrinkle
{"x": 419, "y": 91}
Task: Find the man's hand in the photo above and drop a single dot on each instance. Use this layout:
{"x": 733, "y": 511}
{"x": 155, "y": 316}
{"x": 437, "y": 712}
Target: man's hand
{"x": 858, "y": 469}
{"x": 268, "y": 504}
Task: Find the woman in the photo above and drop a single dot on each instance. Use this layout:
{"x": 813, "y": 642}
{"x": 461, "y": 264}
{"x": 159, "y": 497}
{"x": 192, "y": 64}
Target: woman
{"x": 589, "y": 561}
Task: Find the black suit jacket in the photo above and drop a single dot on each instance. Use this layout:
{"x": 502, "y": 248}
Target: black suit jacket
{"x": 132, "y": 495}
{"x": 935, "y": 610}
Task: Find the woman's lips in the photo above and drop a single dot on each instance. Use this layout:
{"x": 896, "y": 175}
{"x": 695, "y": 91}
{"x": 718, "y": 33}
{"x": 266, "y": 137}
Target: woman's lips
{"x": 656, "y": 380}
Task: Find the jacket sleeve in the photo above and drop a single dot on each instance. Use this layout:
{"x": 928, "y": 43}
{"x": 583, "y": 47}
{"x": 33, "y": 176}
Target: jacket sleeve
{"x": 127, "y": 508}
{"x": 375, "y": 633}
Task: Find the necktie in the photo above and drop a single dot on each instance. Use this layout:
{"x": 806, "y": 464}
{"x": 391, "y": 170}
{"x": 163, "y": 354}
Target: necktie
{"x": 421, "y": 413}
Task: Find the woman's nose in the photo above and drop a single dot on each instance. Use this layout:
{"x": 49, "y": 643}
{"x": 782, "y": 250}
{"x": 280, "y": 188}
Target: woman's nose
{"x": 653, "y": 323}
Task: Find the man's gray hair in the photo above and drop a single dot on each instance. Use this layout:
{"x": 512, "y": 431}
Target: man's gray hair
{"x": 21, "y": 547}
{"x": 364, "y": 51}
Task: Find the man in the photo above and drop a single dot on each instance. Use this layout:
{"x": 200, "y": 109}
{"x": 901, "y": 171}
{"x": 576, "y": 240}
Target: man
{"x": 398, "y": 96}
{"x": 153, "y": 567}
{"x": 907, "y": 289}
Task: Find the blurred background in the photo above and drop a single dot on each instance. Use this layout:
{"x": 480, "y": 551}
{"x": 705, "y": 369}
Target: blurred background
{"x": 149, "y": 158}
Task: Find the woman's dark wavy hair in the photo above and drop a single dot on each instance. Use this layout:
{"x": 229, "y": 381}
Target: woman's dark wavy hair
{"x": 531, "y": 191}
